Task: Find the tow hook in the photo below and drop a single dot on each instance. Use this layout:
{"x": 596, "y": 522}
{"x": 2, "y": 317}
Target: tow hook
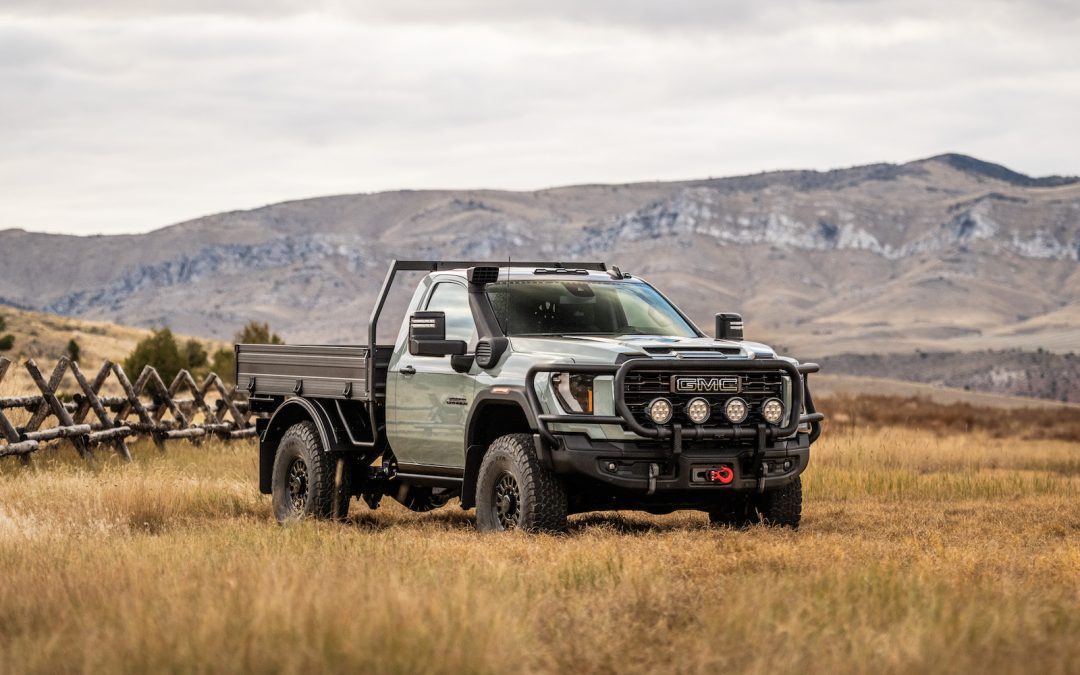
{"x": 654, "y": 471}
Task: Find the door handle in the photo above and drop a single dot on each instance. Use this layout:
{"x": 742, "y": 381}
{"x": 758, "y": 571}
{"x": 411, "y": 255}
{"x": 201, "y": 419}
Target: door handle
{"x": 407, "y": 370}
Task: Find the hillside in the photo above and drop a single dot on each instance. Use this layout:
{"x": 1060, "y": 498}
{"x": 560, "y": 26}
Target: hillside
{"x": 946, "y": 254}
{"x": 44, "y": 337}
{"x": 1013, "y": 373}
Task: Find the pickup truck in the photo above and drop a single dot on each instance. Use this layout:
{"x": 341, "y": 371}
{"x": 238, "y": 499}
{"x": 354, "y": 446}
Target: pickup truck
{"x": 531, "y": 392}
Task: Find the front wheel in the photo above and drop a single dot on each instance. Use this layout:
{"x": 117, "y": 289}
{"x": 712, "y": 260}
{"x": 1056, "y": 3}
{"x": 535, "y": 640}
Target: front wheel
{"x": 780, "y": 507}
{"x": 514, "y": 491}
{"x": 307, "y": 482}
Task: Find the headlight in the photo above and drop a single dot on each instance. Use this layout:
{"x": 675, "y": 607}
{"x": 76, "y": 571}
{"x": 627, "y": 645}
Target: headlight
{"x": 735, "y": 410}
{"x": 575, "y": 392}
{"x": 698, "y": 410}
{"x": 773, "y": 411}
{"x": 659, "y": 411}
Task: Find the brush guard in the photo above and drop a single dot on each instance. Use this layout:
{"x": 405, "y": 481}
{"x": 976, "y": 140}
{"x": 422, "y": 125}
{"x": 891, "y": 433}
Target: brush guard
{"x": 801, "y": 401}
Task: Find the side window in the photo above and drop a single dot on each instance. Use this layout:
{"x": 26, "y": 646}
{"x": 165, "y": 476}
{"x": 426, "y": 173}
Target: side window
{"x": 454, "y": 300}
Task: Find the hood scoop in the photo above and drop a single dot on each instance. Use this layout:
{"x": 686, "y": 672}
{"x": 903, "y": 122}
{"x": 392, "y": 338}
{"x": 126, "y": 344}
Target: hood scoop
{"x": 692, "y": 352}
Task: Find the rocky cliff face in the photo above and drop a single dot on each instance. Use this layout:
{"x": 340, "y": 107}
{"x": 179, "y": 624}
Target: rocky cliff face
{"x": 949, "y": 253}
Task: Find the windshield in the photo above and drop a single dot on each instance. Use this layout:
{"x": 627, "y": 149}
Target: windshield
{"x": 584, "y": 308}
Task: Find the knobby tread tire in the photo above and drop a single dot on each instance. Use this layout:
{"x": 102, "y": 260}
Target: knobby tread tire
{"x": 734, "y": 510}
{"x": 779, "y": 507}
{"x": 543, "y": 504}
{"x": 325, "y": 499}
{"x": 782, "y": 506}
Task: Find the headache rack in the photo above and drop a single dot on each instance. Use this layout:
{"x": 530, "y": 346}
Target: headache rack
{"x": 639, "y": 381}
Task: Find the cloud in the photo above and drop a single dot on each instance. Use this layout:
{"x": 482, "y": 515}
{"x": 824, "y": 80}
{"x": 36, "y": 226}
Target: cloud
{"x": 124, "y": 116}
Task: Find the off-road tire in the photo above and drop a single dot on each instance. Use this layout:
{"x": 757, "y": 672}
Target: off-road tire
{"x": 735, "y": 510}
{"x": 779, "y": 507}
{"x": 782, "y": 506}
{"x": 305, "y": 482}
{"x": 534, "y": 498}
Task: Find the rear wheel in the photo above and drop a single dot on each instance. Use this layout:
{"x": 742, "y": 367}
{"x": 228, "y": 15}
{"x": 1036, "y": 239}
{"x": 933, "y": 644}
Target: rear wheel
{"x": 515, "y": 492}
{"x": 307, "y": 482}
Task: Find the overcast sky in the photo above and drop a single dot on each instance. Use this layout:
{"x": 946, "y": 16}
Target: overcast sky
{"x": 128, "y": 115}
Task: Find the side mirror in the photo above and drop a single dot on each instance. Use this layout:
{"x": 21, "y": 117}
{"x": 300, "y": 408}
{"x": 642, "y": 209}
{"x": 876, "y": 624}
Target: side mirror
{"x": 427, "y": 336}
{"x": 729, "y": 326}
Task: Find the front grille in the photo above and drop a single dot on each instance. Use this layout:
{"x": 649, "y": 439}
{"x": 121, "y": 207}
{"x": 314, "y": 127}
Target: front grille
{"x": 644, "y": 386}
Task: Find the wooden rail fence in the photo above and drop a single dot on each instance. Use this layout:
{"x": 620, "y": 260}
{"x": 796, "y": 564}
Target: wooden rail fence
{"x": 90, "y": 419}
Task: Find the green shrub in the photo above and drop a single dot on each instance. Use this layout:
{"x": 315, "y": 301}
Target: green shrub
{"x": 72, "y": 351}
{"x": 255, "y": 333}
{"x": 7, "y": 343}
{"x": 158, "y": 350}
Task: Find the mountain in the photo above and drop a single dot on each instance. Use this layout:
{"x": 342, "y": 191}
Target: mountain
{"x": 944, "y": 254}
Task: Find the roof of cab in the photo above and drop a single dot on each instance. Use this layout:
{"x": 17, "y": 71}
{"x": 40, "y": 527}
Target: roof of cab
{"x": 544, "y": 274}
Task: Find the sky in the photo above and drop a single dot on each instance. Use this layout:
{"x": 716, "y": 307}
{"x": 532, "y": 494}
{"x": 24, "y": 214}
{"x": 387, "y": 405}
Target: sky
{"x": 122, "y": 116}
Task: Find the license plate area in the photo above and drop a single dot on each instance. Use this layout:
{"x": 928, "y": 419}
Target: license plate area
{"x": 713, "y": 474}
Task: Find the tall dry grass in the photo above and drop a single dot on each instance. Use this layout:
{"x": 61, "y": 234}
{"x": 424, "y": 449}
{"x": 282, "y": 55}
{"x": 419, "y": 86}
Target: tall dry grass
{"x": 918, "y": 553}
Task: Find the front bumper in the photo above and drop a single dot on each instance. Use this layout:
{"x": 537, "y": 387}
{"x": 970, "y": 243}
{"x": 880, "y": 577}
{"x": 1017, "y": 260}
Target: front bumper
{"x": 650, "y": 468}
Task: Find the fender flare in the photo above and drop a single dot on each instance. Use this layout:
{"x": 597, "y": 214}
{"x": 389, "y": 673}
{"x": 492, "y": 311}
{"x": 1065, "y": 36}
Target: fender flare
{"x": 485, "y": 399}
{"x": 292, "y": 411}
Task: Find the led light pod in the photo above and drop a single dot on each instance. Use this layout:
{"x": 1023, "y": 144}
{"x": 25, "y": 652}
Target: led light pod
{"x": 698, "y": 410}
{"x": 736, "y": 410}
{"x": 660, "y": 411}
{"x": 773, "y": 411}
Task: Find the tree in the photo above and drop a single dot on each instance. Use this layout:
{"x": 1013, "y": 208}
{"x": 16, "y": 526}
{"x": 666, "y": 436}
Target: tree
{"x": 255, "y": 333}
{"x": 195, "y": 355}
{"x": 72, "y": 351}
{"x": 7, "y": 341}
{"x": 224, "y": 364}
{"x": 158, "y": 350}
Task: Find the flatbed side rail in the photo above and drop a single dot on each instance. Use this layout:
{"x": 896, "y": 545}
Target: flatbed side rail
{"x": 800, "y": 398}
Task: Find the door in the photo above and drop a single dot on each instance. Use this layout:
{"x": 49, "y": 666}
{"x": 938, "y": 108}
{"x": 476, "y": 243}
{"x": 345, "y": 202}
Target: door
{"x": 431, "y": 400}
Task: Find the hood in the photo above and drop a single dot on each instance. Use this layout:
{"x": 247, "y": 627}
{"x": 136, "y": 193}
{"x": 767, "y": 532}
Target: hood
{"x": 584, "y": 348}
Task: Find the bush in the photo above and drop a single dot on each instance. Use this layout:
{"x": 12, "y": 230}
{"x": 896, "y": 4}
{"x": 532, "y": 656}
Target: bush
{"x": 255, "y": 333}
{"x": 72, "y": 351}
{"x": 7, "y": 342}
{"x": 224, "y": 364}
{"x": 160, "y": 351}
{"x": 195, "y": 355}
{"x": 3, "y": 322}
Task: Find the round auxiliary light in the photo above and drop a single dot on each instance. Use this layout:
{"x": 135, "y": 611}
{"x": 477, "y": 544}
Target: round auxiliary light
{"x": 660, "y": 411}
{"x": 736, "y": 410}
{"x": 698, "y": 410}
{"x": 773, "y": 411}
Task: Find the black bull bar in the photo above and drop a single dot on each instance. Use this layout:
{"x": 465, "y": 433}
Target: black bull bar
{"x": 802, "y": 404}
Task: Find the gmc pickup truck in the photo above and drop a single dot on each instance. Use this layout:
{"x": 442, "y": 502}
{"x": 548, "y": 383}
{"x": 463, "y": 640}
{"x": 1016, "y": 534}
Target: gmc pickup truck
{"x": 532, "y": 392}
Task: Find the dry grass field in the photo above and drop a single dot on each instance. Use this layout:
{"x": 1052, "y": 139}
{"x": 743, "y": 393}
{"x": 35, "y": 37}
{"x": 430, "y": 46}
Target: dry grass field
{"x": 919, "y": 552}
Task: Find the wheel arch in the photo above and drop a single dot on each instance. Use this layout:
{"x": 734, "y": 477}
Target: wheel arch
{"x": 293, "y": 411}
{"x": 496, "y": 411}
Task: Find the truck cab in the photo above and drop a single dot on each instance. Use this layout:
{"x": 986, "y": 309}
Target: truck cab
{"x": 530, "y": 392}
